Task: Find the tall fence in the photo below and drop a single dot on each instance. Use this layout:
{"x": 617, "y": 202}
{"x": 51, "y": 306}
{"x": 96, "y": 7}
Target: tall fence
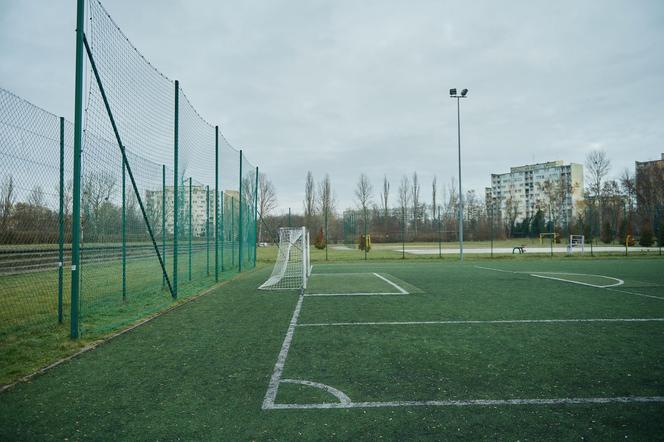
{"x": 167, "y": 205}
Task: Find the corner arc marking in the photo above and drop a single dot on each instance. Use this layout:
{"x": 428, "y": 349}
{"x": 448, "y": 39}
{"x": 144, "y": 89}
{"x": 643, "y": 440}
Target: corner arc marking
{"x": 343, "y": 397}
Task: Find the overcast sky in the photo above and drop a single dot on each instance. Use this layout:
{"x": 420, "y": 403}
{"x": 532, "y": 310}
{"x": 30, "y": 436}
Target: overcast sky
{"x": 345, "y": 87}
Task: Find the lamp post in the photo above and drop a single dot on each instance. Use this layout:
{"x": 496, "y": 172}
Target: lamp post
{"x": 463, "y": 94}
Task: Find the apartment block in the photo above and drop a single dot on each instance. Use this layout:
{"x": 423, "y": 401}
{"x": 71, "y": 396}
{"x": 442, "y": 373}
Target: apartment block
{"x": 553, "y": 187}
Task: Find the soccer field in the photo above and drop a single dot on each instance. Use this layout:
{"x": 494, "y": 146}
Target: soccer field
{"x": 514, "y": 349}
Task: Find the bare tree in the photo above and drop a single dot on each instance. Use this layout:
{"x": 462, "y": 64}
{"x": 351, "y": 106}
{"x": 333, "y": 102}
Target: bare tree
{"x": 267, "y": 200}
{"x": 405, "y": 194}
{"x": 385, "y": 198}
{"x": 434, "y": 194}
{"x": 364, "y": 192}
{"x": 36, "y": 197}
{"x": 384, "y": 201}
{"x": 7, "y": 200}
{"x": 416, "y": 201}
{"x": 325, "y": 197}
{"x": 511, "y": 211}
{"x": 597, "y": 168}
{"x": 628, "y": 185}
{"x": 309, "y": 199}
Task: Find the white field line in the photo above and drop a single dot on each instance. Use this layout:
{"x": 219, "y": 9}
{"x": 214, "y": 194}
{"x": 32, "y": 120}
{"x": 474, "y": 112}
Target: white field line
{"x": 273, "y": 386}
{"x": 496, "y": 321}
{"x": 607, "y": 287}
{"x": 544, "y": 276}
{"x": 637, "y": 294}
{"x": 342, "y": 274}
{"x": 356, "y": 294}
{"x": 479, "y": 402}
{"x": 343, "y": 398}
{"x": 401, "y": 291}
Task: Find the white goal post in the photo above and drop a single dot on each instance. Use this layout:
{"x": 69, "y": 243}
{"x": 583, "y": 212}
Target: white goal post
{"x": 293, "y": 266}
{"x": 576, "y": 241}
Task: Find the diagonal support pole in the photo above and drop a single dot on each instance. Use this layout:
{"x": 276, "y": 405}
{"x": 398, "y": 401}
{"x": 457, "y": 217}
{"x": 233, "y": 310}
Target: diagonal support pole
{"x": 126, "y": 162}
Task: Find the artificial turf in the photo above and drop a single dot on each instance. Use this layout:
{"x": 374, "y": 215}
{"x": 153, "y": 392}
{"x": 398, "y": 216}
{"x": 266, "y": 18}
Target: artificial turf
{"x": 201, "y": 371}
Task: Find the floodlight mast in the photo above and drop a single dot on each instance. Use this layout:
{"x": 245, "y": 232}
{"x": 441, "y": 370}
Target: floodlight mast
{"x": 453, "y": 94}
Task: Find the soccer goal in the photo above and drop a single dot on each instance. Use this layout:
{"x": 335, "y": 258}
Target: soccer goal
{"x": 293, "y": 268}
{"x": 576, "y": 241}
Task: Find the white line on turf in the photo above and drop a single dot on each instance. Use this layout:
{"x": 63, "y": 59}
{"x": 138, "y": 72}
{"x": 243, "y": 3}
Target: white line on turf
{"x": 496, "y": 321}
{"x": 545, "y": 275}
{"x": 636, "y": 294}
{"x": 343, "y": 398}
{"x": 479, "y": 402}
{"x": 355, "y": 294}
{"x": 273, "y": 386}
{"x": 401, "y": 289}
{"x": 607, "y": 287}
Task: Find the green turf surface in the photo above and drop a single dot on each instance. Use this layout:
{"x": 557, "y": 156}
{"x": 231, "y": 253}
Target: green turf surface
{"x": 202, "y": 370}
{"x": 30, "y": 336}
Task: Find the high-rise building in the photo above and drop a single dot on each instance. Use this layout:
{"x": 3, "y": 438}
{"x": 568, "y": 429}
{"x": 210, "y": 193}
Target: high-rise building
{"x": 199, "y": 212}
{"x": 554, "y": 188}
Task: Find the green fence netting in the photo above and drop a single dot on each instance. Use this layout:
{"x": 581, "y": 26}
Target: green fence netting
{"x": 182, "y": 193}
{"x": 35, "y": 219}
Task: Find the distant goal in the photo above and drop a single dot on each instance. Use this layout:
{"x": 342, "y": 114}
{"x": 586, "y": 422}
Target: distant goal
{"x": 576, "y": 242}
{"x": 293, "y": 268}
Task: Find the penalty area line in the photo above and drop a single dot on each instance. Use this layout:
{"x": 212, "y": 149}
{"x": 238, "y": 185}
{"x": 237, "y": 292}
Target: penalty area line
{"x": 476, "y": 402}
{"x": 273, "y": 386}
{"x": 496, "y": 321}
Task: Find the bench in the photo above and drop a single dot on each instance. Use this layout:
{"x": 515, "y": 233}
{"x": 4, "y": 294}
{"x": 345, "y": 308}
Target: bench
{"x": 521, "y": 249}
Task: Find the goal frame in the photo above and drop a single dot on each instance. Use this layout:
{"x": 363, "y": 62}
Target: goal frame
{"x": 574, "y": 242}
{"x": 290, "y": 253}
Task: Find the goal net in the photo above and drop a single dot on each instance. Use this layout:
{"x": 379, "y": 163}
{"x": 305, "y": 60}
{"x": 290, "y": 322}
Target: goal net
{"x": 292, "y": 268}
{"x": 576, "y": 242}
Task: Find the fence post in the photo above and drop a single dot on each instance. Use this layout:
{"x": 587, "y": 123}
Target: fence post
{"x": 216, "y": 203}
{"x": 256, "y": 218}
{"x": 232, "y": 232}
{"x": 190, "y": 223}
{"x": 440, "y": 236}
{"x": 124, "y": 233}
{"x": 222, "y": 231}
{"x": 207, "y": 227}
{"x": 76, "y": 197}
{"x": 176, "y": 186}
{"x": 241, "y": 240}
{"x": 61, "y": 220}
{"x": 163, "y": 218}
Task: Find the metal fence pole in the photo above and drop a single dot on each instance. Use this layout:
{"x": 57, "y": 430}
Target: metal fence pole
{"x": 76, "y": 197}
{"x": 61, "y": 220}
{"x": 124, "y": 233}
{"x": 190, "y": 225}
{"x": 216, "y": 203}
{"x": 176, "y": 186}
{"x": 207, "y": 228}
{"x": 240, "y": 220}
{"x": 232, "y": 232}
{"x": 163, "y": 218}
{"x": 256, "y": 218}
{"x": 222, "y": 230}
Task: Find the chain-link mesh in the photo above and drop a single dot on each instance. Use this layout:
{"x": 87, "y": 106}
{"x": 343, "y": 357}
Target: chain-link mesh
{"x": 35, "y": 218}
{"x": 156, "y": 201}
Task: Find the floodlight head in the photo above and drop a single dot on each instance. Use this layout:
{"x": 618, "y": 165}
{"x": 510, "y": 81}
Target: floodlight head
{"x": 452, "y": 92}
{"x": 464, "y": 92}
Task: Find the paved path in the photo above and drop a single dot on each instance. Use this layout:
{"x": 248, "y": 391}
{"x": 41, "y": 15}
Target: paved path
{"x": 529, "y": 250}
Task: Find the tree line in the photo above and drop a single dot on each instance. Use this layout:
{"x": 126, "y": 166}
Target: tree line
{"x": 628, "y": 207}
